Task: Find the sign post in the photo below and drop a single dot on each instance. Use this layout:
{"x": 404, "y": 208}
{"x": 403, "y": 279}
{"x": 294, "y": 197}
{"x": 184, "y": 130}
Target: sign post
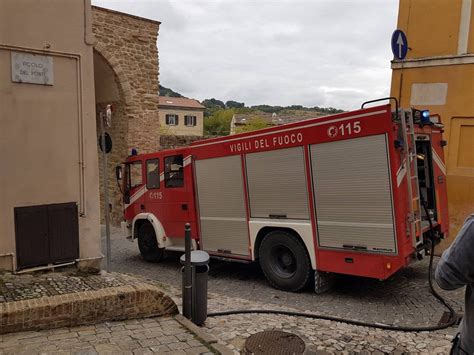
{"x": 106, "y": 116}
{"x": 399, "y": 44}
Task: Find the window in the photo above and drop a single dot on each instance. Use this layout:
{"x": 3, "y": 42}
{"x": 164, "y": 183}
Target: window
{"x": 153, "y": 174}
{"x": 135, "y": 174}
{"x": 172, "y": 120}
{"x": 190, "y": 120}
{"x": 174, "y": 176}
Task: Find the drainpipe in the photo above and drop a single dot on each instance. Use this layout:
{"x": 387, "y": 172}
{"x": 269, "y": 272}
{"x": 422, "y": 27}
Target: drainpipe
{"x": 12, "y": 256}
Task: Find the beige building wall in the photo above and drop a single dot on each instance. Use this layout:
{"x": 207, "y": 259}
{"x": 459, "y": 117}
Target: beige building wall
{"x": 438, "y": 74}
{"x": 181, "y": 129}
{"x": 48, "y": 133}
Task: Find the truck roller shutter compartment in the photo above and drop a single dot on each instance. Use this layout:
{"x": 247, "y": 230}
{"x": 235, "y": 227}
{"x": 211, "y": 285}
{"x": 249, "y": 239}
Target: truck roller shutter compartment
{"x": 277, "y": 184}
{"x": 353, "y": 194}
{"x": 221, "y": 198}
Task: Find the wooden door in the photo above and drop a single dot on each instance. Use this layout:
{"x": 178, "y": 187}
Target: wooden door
{"x": 47, "y": 234}
{"x": 31, "y": 231}
{"x": 63, "y": 232}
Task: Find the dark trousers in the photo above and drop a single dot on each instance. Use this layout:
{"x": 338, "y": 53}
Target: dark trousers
{"x": 456, "y": 348}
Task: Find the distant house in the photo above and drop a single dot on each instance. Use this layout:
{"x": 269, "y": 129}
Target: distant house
{"x": 181, "y": 116}
{"x": 273, "y": 119}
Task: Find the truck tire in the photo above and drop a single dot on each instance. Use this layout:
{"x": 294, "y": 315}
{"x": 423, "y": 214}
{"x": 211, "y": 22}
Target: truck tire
{"x": 148, "y": 245}
{"x": 284, "y": 261}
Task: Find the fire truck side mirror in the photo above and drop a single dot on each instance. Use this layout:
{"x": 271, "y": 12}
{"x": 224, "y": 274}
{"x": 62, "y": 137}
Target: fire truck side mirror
{"x": 118, "y": 172}
{"x": 126, "y": 197}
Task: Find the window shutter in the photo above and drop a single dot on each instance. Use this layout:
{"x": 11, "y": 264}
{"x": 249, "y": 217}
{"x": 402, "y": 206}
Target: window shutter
{"x": 190, "y": 120}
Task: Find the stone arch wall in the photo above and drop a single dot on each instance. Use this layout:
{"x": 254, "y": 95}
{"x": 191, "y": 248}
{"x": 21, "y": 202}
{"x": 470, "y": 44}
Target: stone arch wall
{"x": 121, "y": 79}
{"x": 128, "y": 45}
{"x": 109, "y": 90}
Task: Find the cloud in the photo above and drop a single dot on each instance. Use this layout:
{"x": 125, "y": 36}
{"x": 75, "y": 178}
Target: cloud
{"x": 315, "y": 53}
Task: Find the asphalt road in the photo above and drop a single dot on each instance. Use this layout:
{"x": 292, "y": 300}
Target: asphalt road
{"x": 404, "y": 299}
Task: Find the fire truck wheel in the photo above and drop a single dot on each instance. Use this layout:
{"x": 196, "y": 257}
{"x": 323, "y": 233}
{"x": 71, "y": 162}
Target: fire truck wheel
{"x": 148, "y": 245}
{"x": 284, "y": 261}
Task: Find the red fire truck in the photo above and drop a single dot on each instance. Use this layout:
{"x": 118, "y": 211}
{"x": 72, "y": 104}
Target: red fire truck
{"x": 335, "y": 194}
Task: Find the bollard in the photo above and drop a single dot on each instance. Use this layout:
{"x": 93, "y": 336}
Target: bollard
{"x": 200, "y": 274}
{"x": 187, "y": 284}
{"x": 194, "y": 273}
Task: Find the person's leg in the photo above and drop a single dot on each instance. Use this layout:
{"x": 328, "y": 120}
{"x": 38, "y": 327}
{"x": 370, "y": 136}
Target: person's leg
{"x": 455, "y": 347}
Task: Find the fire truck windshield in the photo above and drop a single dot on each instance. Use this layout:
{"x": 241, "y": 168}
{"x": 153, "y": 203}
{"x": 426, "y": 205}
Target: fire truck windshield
{"x": 132, "y": 176}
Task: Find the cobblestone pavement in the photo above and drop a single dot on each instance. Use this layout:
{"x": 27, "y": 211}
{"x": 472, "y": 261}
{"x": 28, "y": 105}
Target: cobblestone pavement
{"x": 142, "y": 336}
{"x": 320, "y": 336}
{"x": 41, "y": 284}
{"x": 403, "y": 299}
{"x": 328, "y": 337}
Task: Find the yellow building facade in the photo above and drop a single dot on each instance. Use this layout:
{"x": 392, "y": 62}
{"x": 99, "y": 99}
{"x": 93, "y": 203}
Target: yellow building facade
{"x": 438, "y": 74}
{"x": 181, "y": 116}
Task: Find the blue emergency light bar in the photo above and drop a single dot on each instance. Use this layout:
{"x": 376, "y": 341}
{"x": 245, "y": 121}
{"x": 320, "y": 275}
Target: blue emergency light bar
{"x": 425, "y": 116}
{"x": 421, "y": 116}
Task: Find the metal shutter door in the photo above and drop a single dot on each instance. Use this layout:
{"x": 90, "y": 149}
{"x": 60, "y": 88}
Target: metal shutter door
{"x": 221, "y": 200}
{"x": 353, "y": 195}
{"x": 31, "y": 236}
{"x": 277, "y": 183}
{"x": 63, "y": 222}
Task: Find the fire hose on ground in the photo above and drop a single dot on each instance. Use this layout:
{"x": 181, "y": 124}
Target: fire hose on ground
{"x": 452, "y": 320}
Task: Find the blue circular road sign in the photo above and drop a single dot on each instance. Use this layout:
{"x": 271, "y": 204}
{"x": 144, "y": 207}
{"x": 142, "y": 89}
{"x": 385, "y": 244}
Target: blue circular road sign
{"x": 399, "y": 44}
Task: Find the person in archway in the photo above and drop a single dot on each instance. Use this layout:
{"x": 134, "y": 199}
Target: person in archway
{"x": 456, "y": 270}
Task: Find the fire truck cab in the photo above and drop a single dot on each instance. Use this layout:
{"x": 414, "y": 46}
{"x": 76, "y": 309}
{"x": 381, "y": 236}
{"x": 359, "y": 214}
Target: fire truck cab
{"x": 335, "y": 194}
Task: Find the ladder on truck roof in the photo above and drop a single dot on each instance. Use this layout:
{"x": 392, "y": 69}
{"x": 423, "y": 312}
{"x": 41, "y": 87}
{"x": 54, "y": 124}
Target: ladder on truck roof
{"x": 410, "y": 158}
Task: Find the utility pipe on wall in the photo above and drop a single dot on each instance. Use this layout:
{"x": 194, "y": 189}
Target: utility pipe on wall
{"x": 12, "y": 256}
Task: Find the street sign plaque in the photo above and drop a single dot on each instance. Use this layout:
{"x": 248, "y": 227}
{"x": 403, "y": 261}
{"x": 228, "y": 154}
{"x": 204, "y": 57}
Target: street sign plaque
{"x": 32, "y": 68}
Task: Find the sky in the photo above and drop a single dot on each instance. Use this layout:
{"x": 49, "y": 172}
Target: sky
{"x": 326, "y": 53}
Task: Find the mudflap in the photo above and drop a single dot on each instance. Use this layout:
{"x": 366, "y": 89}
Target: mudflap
{"x": 323, "y": 281}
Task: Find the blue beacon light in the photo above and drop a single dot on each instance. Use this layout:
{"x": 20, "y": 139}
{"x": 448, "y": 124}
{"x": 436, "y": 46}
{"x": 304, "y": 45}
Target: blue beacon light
{"x": 425, "y": 116}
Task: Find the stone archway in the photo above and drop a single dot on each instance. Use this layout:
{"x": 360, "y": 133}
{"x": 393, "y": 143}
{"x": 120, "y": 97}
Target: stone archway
{"x": 109, "y": 90}
{"x": 126, "y": 75}
{"x": 128, "y": 43}
{"x": 120, "y": 80}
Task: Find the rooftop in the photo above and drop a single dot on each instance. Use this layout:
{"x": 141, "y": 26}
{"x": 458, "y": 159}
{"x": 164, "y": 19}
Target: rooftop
{"x": 276, "y": 118}
{"x": 166, "y": 101}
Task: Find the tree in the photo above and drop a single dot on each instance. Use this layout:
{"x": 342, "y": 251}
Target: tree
{"x": 252, "y": 125}
{"x": 267, "y": 108}
{"x": 296, "y": 107}
{"x": 219, "y": 123}
{"x": 164, "y": 91}
{"x": 211, "y": 103}
{"x": 212, "y": 106}
{"x": 234, "y": 104}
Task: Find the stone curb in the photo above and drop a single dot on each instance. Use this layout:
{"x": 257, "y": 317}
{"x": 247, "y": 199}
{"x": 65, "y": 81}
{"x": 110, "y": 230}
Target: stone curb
{"x": 201, "y": 333}
{"x": 90, "y": 307}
